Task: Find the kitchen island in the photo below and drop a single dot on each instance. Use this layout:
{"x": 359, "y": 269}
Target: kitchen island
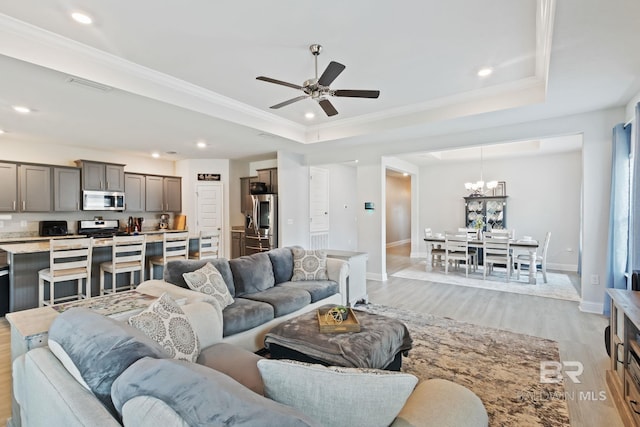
{"x": 28, "y": 257}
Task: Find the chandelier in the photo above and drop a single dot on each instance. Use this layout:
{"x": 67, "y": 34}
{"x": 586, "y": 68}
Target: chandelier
{"x": 478, "y": 188}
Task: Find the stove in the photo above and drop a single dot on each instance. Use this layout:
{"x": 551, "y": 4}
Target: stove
{"x": 100, "y": 228}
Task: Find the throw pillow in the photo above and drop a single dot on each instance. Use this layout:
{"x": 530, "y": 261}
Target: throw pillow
{"x": 378, "y": 395}
{"x": 165, "y": 322}
{"x": 209, "y": 281}
{"x": 309, "y": 264}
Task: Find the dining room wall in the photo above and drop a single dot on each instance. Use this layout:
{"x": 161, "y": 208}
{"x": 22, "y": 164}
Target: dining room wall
{"x": 543, "y": 195}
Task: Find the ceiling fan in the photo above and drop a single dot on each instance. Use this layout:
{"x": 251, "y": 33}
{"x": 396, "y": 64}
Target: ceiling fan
{"x": 318, "y": 88}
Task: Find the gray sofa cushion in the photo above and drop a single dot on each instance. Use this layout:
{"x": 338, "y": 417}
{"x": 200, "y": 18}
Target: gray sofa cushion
{"x": 252, "y": 273}
{"x": 101, "y": 348}
{"x": 245, "y": 314}
{"x": 282, "y": 262}
{"x": 284, "y": 300}
{"x": 319, "y": 289}
{"x": 202, "y": 396}
{"x": 174, "y": 270}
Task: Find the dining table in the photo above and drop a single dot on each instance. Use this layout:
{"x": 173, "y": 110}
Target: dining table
{"x": 530, "y": 245}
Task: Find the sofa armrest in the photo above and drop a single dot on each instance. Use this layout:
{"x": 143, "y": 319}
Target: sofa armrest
{"x": 181, "y": 295}
{"x": 437, "y": 402}
{"x": 338, "y": 271}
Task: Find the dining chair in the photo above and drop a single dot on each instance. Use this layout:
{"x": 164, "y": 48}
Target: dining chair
{"x": 69, "y": 259}
{"x": 208, "y": 245}
{"x": 472, "y": 234}
{"x": 175, "y": 246}
{"x": 541, "y": 260}
{"x": 456, "y": 247}
{"x": 496, "y": 250}
{"x": 127, "y": 256}
{"x": 437, "y": 251}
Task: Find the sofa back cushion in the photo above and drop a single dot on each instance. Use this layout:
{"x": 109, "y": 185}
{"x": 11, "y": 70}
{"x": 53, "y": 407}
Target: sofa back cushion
{"x": 174, "y": 270}
{"x": 282, "y": 262}
{"x": 252, "y": 273}
{"x": 202, "y": 396}
{"x": 99, "y": 348}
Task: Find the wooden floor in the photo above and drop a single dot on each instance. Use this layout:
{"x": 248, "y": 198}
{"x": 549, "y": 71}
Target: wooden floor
{"x": 580, "y": 335}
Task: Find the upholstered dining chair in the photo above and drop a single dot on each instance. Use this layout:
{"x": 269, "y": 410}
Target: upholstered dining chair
{"x": 127, "y": 256}
{"x": 437, "y": 251}
{"x": 541, "y": 260}
{"x": 175, "y": 246}
{"x": 208, "y": 245}
{"x": 496, "y": 250}
{"x": 69, "y": 259}
{"x": 456, "y": 247}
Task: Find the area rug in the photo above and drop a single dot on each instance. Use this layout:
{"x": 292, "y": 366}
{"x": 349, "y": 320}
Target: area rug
{"x": 558, "y": 285}
{"x": 501, "y": 367}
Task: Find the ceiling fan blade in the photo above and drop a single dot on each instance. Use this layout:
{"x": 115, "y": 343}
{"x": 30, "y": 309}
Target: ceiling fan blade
{"x": 332, "y": 71}
{"x": 278, "y": 82}
{"x": 328, "y": 107}
{"x": 290, "y": 101}
{"x": 357, "y": 93}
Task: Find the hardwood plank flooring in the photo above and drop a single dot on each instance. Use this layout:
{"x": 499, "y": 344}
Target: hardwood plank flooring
{"x": 579, "y": 335}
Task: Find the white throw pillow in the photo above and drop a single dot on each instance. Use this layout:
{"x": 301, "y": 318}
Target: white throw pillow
{"x": 337, "y": 396}
{"x": 309, "y": 265}
{"x": 209, "y": 281}
{"x": 165, "y": 322}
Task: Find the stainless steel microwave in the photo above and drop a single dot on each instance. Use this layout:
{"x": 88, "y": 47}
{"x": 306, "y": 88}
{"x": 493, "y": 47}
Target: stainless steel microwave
{"x": 102, "y": 200}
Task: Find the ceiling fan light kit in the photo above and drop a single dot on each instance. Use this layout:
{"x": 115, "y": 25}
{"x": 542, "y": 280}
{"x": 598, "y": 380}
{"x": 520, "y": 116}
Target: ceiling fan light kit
{"x": 318, "y": 88}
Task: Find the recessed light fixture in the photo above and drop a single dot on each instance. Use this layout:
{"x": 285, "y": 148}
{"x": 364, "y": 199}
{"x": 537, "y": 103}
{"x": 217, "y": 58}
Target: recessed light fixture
{"x": 485, "y": 71}
{"x": 155, "y": 155}
{"x": 309, "y": 115}
{"x": 201, "y": 144}
{"x": 82, "y": 18}
{"x": 21, "y": 109}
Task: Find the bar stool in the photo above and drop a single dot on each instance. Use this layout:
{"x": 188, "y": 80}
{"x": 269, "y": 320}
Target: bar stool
{"x": 175, "y": 246}
{"x": 127, "y": 256}
{"x": 69, "y": 259}
{"x": 208, "y": 245}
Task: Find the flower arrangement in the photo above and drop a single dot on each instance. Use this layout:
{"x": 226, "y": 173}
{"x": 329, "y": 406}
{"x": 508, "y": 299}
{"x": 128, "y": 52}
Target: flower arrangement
{"x": 478, "y": 223}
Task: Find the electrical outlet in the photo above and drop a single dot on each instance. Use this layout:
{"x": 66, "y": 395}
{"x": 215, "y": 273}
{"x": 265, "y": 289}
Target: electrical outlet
{"x": 595, "y": 279}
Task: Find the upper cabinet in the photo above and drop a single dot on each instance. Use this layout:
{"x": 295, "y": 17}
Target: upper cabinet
{"x": 172, "y": 187}
{"x": 134, "y": 192}
{"x": 66, "y": 189}
{"x": 163, "y": 194}
{"x": 269, "y": 177}
{"x": 245, "y": 193}
{"x": 35, "y": 188}
{"x": 9, "y": 188}
{"x": 101, "y": 176}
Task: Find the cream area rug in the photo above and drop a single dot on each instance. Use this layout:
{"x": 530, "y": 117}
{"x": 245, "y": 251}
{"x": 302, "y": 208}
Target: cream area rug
{"x": 558, "y": 285}
{"x": 501, "y": 367}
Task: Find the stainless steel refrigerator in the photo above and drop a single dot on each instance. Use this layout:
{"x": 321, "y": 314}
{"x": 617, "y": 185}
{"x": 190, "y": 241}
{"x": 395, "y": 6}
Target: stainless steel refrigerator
{"x": 261, "y": 233}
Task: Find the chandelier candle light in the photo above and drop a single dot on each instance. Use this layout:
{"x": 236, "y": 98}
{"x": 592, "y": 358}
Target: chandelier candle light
{"x": 477, "y": 188}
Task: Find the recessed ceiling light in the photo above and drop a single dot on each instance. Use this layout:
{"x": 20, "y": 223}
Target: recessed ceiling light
{"x": 309, "y": 115}
{"x": 155, "y": 155}
{"x": 484, "y": 72}
{"x": 21, "y": 109}
{"x": 201, "y": 144}
{"x": 82, "y": 18}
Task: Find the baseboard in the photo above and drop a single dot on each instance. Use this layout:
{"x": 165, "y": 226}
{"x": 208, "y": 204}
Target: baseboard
{"x": 398, "y": 243}
{"x": 562, "y": 267}
{"x": 591, "y": 307}
{"x": 418, "y": 255}
{"x": 377, "y": 277}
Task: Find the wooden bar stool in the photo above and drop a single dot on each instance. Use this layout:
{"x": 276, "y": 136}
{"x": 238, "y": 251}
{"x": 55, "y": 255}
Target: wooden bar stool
{"x": 69, "y": 259}
{"x": 127, "y": 256}
{"x": 208, "y": 245}
{"x": 175, "y": 246}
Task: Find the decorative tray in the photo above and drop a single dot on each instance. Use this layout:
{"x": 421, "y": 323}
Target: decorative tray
{"x": 329, "y": 325}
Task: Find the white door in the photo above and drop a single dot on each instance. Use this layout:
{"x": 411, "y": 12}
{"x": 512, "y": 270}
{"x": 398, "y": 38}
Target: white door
{"x": 319, "y": 199}
{"x": 209, "y": 208}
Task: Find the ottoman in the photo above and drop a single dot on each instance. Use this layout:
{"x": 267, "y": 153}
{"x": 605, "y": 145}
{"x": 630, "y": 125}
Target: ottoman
{"x": 379, "y": 344}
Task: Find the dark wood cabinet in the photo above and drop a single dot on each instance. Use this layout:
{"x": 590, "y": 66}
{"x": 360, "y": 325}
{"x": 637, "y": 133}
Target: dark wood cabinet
{"x": 245, "y": 194}
{"x": 270, "y": 177}
{"x": 486, "y": 213}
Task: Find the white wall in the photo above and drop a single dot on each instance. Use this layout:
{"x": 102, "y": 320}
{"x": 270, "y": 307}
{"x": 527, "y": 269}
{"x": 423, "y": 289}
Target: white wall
{"x": 398, "y": 209}
{"x": 371, "y": 238}
{"x": 293, "y": 200}
{"x": 544, "y": 195}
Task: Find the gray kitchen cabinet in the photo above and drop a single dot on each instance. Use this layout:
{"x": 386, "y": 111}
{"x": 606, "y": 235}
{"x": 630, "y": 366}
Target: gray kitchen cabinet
{"x": 9, "y": 188}
{"x": 270, "y": 177}
{"x": 134, "y": 192}
{"x": 237, "y": 244}
{"x": 66, "y": 189}
{"x": 35, "y": 188}
{"x": 101, "y": 176}
{"x": 172, "y": 187}
{"x": 153, "y": 193}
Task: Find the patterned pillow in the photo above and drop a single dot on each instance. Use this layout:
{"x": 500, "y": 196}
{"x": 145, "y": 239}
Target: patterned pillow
{"x": 209, "y": 281}
{"x": 165, "y": 322}
{"x": 309, "y": 265}
{"x": 378, "y": 395}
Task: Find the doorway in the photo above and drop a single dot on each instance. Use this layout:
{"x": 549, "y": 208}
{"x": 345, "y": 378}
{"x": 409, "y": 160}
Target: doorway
{"x": 397, "y": 220}
{"x": 209, "y": 209}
